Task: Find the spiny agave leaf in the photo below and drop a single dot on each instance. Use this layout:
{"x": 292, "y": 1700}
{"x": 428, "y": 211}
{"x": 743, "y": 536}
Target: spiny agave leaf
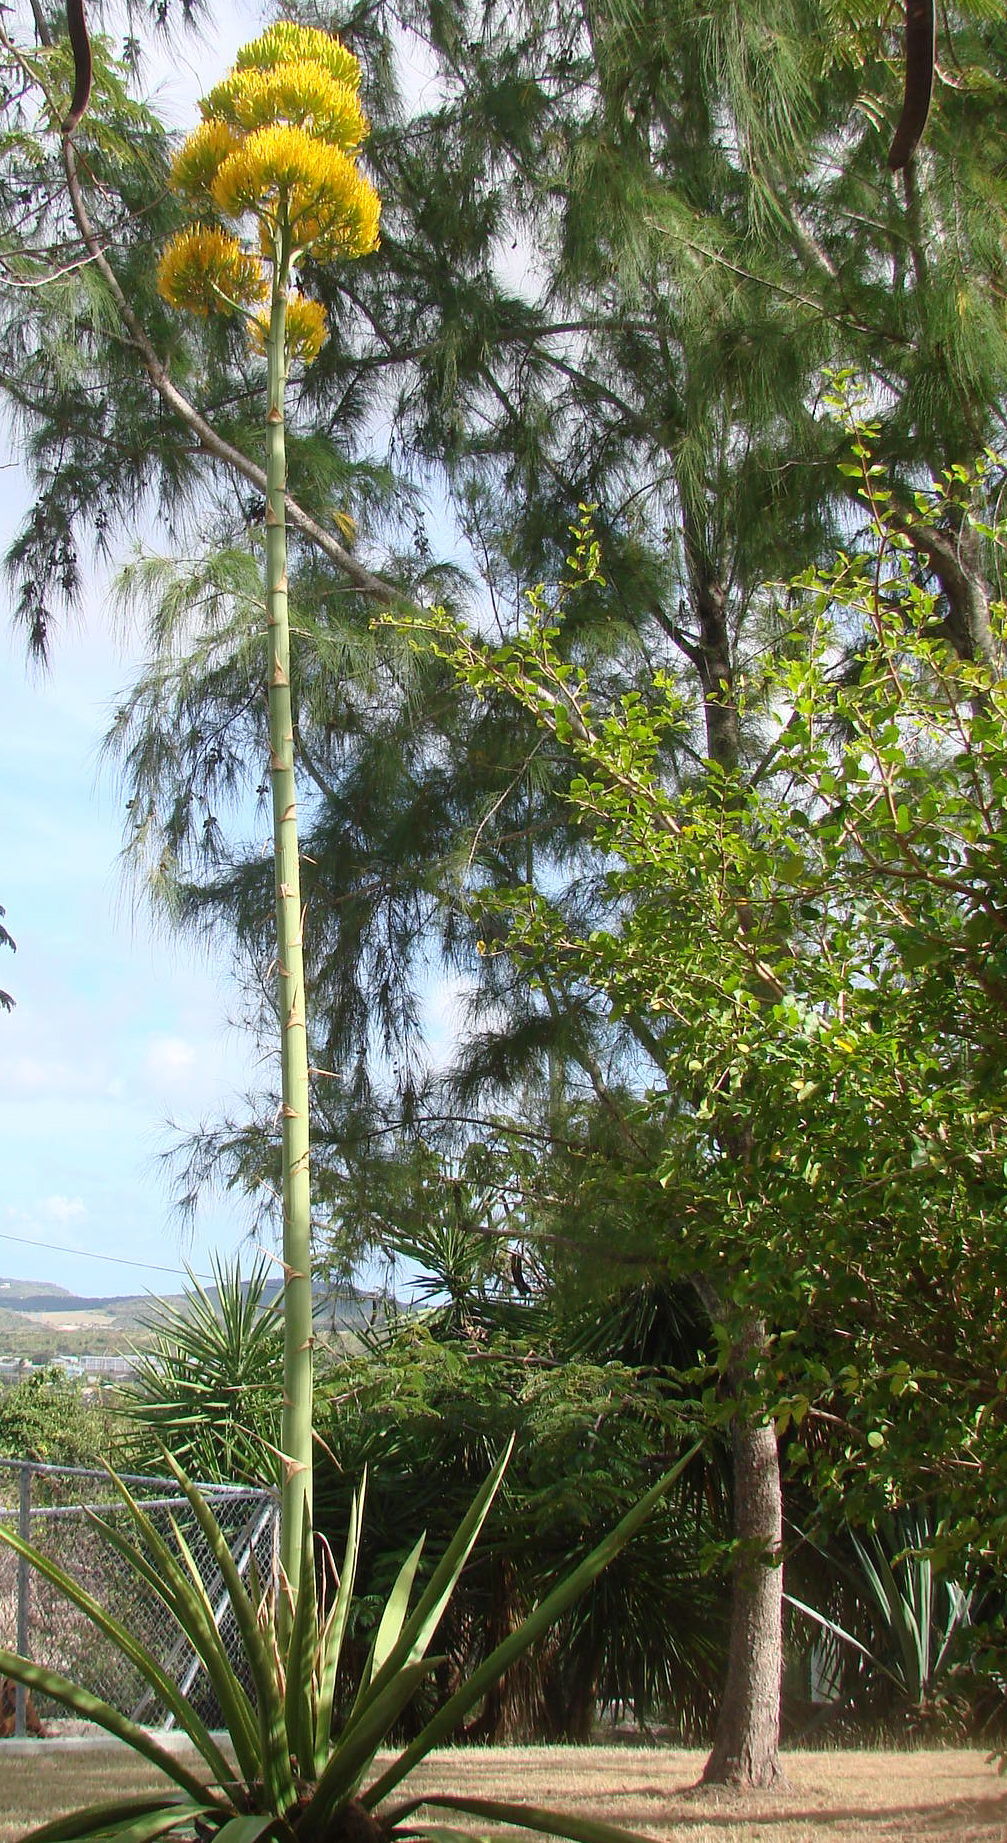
{"x": 354, "y": 1752}
{"x": 145, "y": 1829}
{"x": 191, "y": 1610}
{"x": 275, "y": 1762}
{"x": 531, "y": 1817}
{"x": 246, "y": 1829}
{"x": 215, "y": 1655}
{"x": 301, "y": 1664}
{"x": 422, "y": 1624}
{"x": 130, "y": 1647}
{"x": 396, "y": 1607}
{"x": 538, "y": 1621}
{"x": 334, "y": 1630}
{"x": 91, "y": 1708}
{"x": 91, "y": 1820}
{"x": 845, "y": 1637}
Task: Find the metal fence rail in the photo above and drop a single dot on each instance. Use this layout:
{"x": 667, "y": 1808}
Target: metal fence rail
{"x": 49, "y": 1506}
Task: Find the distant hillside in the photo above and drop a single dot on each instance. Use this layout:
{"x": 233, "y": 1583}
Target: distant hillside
{"x": 18, "y": 1290}
{"x": 37, "y": 1319}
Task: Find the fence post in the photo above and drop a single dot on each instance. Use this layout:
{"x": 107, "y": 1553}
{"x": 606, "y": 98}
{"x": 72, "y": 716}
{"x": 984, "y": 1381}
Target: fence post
{"x": 23, "y": 1590}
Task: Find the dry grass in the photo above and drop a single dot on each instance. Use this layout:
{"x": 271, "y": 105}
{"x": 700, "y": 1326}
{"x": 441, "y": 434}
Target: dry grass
{"x": 946, "y": 1797}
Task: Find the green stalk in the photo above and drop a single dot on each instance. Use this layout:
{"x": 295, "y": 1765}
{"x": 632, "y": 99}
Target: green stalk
{"x": 295, "y": 1503}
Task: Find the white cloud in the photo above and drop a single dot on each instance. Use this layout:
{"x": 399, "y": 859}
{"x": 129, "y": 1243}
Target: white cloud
{"x": 62, "y": 1209}
{"x": 169, "y": 1059}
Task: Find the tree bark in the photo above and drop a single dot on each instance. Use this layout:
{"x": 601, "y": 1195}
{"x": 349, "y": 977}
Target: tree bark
{"x": 747, "y": 1739}
{"x": 746, "y": 1747}
{"x": 956, "y": 559}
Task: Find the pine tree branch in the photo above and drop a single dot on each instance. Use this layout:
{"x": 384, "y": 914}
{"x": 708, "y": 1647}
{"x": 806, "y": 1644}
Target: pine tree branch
{"x": 954, "y": 558}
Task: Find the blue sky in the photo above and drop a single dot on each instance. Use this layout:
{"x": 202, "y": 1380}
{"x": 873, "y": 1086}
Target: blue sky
{"x": 117, "y": 1027}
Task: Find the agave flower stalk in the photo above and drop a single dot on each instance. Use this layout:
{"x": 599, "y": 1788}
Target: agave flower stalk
{"x": 276, "y": 147}
{"x": 297, "y": 1313}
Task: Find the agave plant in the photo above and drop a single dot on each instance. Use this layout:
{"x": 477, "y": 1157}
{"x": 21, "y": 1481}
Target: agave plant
{"x": 291, "y": 1778}
{"x": 920, "y": 1618}
{"x": 276, "y": 154}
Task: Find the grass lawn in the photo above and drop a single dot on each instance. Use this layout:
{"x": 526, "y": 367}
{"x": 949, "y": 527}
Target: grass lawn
{"x": 938, "y": 1797}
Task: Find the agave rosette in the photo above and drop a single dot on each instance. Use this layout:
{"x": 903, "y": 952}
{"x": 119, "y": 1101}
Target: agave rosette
{"x": 293, "y": 1778}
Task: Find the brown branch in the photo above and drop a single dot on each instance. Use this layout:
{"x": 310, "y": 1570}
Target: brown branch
{"x": 921, "y": 44}
{"x": 80, "y": 44}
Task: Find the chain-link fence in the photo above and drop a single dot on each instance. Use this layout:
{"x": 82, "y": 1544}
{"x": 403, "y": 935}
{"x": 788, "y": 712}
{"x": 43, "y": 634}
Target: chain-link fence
{"x": 48, "y": 1506}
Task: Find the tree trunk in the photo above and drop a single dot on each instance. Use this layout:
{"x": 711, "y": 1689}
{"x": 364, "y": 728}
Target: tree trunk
{"x": 747, "y": 1741}
{"x": 746, "y": 1744}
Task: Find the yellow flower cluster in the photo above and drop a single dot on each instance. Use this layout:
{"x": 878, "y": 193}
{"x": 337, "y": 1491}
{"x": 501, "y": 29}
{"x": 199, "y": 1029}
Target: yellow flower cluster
{"x": 277, "y": 143}
{"x": 287, "y": 43}
{"x": 307, "y": 329}
{"x": 199, "y": 159}
{"x": 302, "y": 94}
{"x": 295, "y": 183}
{"x": 204, "y": 270}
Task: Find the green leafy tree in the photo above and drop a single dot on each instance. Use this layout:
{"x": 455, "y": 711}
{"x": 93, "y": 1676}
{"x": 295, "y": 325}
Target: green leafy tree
{"x": 47, "y": 1418}
{"x": 754, "y": 926}
{"x": 424, "y": 1410}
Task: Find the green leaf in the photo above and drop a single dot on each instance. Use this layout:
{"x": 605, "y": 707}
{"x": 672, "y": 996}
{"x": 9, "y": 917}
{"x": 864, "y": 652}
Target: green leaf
{"x": 190, "y": 1608}
{"x": 246, "y": 1829}
{"x": 393, "y": 1617}
{"x": 91, "y": 1708}
{"x": 144, "y": 1829}
{"x": 92, "y": 1819}
{"x": 129, "y": 1647}
{"x": 301, "y": 1663}
{"x": 275, "y": 1764}
{"x": 354, "y": 1751}
{"x": 422, "y": 1624}
{"x": 333, "y": 1633}
{"x": 529, "y": 1817}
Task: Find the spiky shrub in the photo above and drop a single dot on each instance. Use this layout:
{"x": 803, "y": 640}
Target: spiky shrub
{"x": 206, "y": 1383}
{"x": 276, "y": 153}
{"x": 292, "y": 1779}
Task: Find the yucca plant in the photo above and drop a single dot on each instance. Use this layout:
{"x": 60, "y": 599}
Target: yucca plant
{"x": 290, "y": 1777}
{"x": 206, "y": 1383}
{"x": 919, "y": 1617}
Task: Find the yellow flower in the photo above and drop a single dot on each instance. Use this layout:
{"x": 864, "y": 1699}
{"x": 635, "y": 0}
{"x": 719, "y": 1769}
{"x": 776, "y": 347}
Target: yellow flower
{"x": 196, "y": 164}
{"x": 285, "y": 175}
{"x": 303, "y": 94}
{"x": 207, "y": 271}
{"x": 286, "y": 43}
{"x": 307, "y": 329}
{"x": 351, "y": 230}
